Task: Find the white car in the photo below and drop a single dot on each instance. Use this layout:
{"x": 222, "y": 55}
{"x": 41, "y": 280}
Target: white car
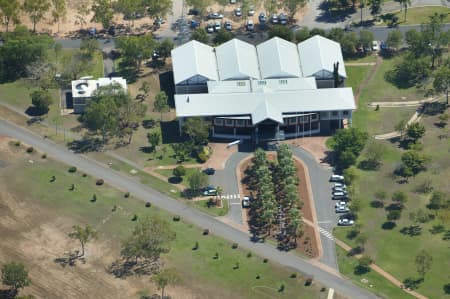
{"x": 342, "y": 209}
{"x": 251, "y": 12}
{"x": 238, "y": 12}
{"x": 340, "y": 204}
{"x": 337, "y": 178}
{"x": 232, "y": 1}
{"x": 227, "y": 25}
{"x": 246, "y": 202}
{"x": 339, "y": 193}
{"x": 339, "y": 185}
{"x": 339, "y": 189}
{"x": 217, "y": 26}
{"x": 345, "y": 222}
{"x": 210, "y": 28}
{"x": 375, "y": 46}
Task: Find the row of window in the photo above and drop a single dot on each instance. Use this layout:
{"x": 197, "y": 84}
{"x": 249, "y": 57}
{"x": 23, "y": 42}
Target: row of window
{"x": 243, "y": 122}
{"x": 261, "y": 82}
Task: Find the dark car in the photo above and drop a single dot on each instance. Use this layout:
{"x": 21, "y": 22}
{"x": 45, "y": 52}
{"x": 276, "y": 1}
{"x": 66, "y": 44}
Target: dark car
{"x": 193, "y": 12}
{"x": 262, "y": 17}
{"x": 112, "y": 30}
{"x": 209, "y": 171}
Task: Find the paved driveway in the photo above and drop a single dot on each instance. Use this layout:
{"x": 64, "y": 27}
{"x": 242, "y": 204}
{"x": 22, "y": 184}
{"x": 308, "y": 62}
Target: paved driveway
{"x": 145, "y": 193}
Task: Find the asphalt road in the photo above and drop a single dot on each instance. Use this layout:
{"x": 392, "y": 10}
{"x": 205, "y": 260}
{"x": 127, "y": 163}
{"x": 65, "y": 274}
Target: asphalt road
{"x": 192, "y": 215}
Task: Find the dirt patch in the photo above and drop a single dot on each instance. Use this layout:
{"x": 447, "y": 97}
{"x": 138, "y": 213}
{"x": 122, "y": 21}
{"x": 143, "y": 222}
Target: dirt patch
{"x": 308, "y": 244}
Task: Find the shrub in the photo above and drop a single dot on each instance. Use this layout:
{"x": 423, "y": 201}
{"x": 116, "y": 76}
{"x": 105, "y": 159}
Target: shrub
{"x": 394, "y": 215}
{"x": 84, "y": 175}
{"x": 30, "y": 149}
{"x": 72, "y": 169}
{"x": 293, "y": 275}
{"x": 195, "y": 246}
{"x": 148, "y": 204}
{"x": 99, "y": 182}
{"x": 114, "y": 208}
{"x": 281, "y": 288}
{"x": 17, "y": 143}
{"x": 308, "y": 281}
{"x": 176, "y": 218}
{"x": 204, "y": 153}
{"x": 258, "y": 276}
{"x": 135, "y": 217}
{"x": 206, "y": 232}
{"x": 94, "y": 198}
{"x": 249, "y": 254}
{"x": 126, "y": 195}
{"x": 265, "y": 261}
{"x": 234, "y": 245}
{"x": 216, "y": 256}
{"x": 44, "y": 156}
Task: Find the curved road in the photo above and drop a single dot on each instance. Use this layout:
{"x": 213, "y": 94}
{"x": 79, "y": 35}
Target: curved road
{"x": 341, "y": 285}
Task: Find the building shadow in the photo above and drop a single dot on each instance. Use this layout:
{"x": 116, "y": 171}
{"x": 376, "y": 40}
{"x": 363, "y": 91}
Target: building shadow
{"x": 167, "y": 85}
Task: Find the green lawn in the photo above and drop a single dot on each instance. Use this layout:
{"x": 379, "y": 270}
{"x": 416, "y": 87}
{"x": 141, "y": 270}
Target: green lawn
{"x": 213, "y": 210}
{"x": 393, "y": 251}
{"x": 356, "y": 75}
{"x": 363, "y": 59}
{"x": 371, "y": 280}
{"x": 417, "y": 15}
{"x": 209, "y": 277}
{"x": 168, "y": 173}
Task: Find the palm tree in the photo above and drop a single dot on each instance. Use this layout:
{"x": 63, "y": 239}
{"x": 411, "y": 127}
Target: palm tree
{"x": 164, "y": 278}
{"x": 219, "y": 192}
{"x": 84, "y": 235}
{"x": 404, "y": 5}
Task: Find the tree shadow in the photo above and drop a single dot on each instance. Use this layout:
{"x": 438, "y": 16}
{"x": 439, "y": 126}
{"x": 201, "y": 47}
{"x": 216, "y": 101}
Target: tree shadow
{"x": 434, "y": 108}
{"x": 393, "y": 207}
{"x": 69, "y": 259}
{"x": 170, "y": 132}
{"x": 355, "y": 251}
{"x": 329, "y": 15}
{"x": 125, "y": 268}
{"x": 369, "y": 165}
{"x": 388, "y": 225}
{"x": 175, "y": 180}
{"x": 360, "y": 270}
{"x": 33, "y": 111}
{"x": 412, "y": 230}
{"x": 376, "y": 204}
{"x": 167, "y": 84}
{"x": 87, "y": 144}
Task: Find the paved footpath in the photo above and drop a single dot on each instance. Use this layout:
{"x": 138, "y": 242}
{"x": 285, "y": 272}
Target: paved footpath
{"x": 145, "y": 193}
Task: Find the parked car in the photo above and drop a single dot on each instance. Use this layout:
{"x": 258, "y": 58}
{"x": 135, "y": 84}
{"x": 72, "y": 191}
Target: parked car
{"x": 217, "y": 26}
{"x": 340, "y": 197}
{"x": 246, "y": 202}
{"x": 194, "y": 24}
{"x": 262, "y": 18}
{"x": 339, "y": 189}
{"x": 345, "y": 221}
{"x": 232, "y": 1}
{"x": 339, "y": 185}
{"x": 283, "y": 19}
{"x": 92, "y": 31}
{"x": 250, "y": 26}
{"x": 238, "y": 12}
{"x": 210, "y": 191}
{"x": 342, "y": 209}
{"x": 339, "y": 193}
{"x": 215, "y": 15}
{"x": 227, "y": 25}
{"x": 209, "y": 171}
{"x": 210, "y": 28}
{"x": 340, "y": 204}
{"x": 383, "y": 46}
{"x": 193, "y": 12}
{"x": 112, "y": 30}
{"x": 251, "y": 12}
{"x": 274, "y": 19}
{"x": 375, "y": 46}
{"x": 337, "y": 178}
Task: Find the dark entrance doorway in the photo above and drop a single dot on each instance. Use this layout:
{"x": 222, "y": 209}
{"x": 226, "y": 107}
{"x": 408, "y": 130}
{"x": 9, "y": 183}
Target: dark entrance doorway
{"x": 69, "y": 100}
{"x": 269, "y": 130}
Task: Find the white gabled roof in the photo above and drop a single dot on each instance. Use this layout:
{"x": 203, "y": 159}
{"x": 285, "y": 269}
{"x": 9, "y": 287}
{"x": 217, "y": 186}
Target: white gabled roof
{"x": 194, "y": 58}
{"x": 278, "y": 58}
{"x": 261, "y": 106}
{"x": 319, "y": 53}
{"x": 237, "y": 60}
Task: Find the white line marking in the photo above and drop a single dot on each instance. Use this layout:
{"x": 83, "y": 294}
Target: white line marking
{"x": 235, "y": 203}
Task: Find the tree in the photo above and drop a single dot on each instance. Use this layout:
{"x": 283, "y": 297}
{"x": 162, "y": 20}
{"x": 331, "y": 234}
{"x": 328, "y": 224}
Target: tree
{"x": 201, "y": 5}
{"x": 197, "y": 129}
{"x": 362, "y": 3}
{"x": 59, "y": 11}
{"x": 350, "y": 175}
{"x": 135, "y": 49}
{"x": 222, "y": 36}
{"x": 302, "y": 34}
{"x": 423, "y": 262}
{"x": 414, "y": 161}
{"x": 375, "y": 7}
{"x": 348, "y": 141}
{"x": 394, "y": 215}
{"x": 281, "y": 31}
{"x": 145, "y": 88}
{"x": 365, "y": 38}
{"x": 160, "y": 104}
{"x": 441, "y": 81}
{"x": 41, "y": 100}
{"x": 103, "y": 12}
{"x": 165, "y": 48}
{"x": 443, "y": 119}
{"x": 198, "y": 180}
{"x": 179, "y": 171}
{"x": 404, "y": 5}
{"x": 129, "y": 9}
{"x": 439, "y": 200}
{"x": 435, "y": 36}
{"x": 400, "y": 198}
{"x": 151, "y": 237}
{"x": 88, "y": 47}
{"x": 36, "y": 9}
{"x": 401, "y": 126}
{"x": 15, "y": 275}
{"x": 200, "y": 35}
{"x": 394, "y": 39}
{"x": 364, "y": 264}
{"x": 292, "y": 6}
{"x": 154, "y": 139}
{"x": 415, "y": 131}
{"x": 374, "y": 154}
{"x": 158, "y": 8}
{"x": 82, "y": 9}
{"x": 9, "y": 12}
{"x": 164, "y": 278}
{"x": 84, "y": 235}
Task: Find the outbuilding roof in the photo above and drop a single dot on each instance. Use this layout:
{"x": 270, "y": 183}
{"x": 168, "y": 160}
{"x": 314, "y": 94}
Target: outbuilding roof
{"x": 237, "y": 59}
{"x": 84, "y": 88}
{"x": 267, "y": 105}
{"x": 192, "y": 59}
{"x": 319, "y": 53}
{"x": 278, "y": 58}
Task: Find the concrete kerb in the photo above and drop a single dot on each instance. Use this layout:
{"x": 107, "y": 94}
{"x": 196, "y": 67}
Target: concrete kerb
{"x": 313, "y": 223}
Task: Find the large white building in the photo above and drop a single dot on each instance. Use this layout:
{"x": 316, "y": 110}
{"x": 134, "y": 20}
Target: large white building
{"x": 275, "y": 90}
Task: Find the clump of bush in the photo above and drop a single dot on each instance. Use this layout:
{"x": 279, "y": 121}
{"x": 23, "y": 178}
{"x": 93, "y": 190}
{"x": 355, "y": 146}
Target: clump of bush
{"x": 126, "y": 195}
{"x": 148, "y": 204}
{"x": 234, "y": 246}
{"x": 94, "y": 198}
{"x": 99, "y": 182}
{"x": 206, "y": 232}
{"x": 204, "y": 153}
{"x": 44, "y": 156}
{"x": 30, "y": 149}
{"x": 72, "y": 169}
{"x": 135, "y": 217}
{"x": 265, "y": 261}
{"x": 249, "y": 255}
{"x": 84, "y": 175}
{"x": 17, "y": 143}
{"x": 176, "y": 218}
{"x": 293, "y": 275}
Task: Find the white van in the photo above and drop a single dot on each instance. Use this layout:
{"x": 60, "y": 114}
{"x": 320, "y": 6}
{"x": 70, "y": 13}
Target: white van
{"x": 336, "y": 178}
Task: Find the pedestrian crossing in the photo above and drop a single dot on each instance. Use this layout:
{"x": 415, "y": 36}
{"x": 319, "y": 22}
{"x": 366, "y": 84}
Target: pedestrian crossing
{"x": 326, "y": 233}
{"x": 230, "y": 196}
